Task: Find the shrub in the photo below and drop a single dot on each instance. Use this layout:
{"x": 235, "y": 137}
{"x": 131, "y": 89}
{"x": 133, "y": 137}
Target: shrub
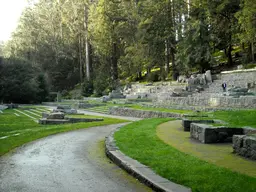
{"x": 87, "y": 88}
{"x": 100, "y": 85}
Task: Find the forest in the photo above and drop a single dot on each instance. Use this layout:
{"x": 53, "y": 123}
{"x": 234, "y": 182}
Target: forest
{"x": 60, "y": 44}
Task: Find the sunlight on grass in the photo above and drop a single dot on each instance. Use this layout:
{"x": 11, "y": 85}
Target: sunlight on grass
{"x": 139, "y": 141}
{"x": 29, "y": 130}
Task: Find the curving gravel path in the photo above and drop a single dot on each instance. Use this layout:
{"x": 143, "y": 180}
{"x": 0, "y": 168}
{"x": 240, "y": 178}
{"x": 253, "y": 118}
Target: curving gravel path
{"x": 72, "y": 161}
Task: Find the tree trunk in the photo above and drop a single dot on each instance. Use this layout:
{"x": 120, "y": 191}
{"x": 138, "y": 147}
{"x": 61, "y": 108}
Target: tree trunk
{"x": 229, "y": 55}
{"x": 80, "y": 59}
{"x": 87, "y": 59}
{"x": 114, "y": 62}
{"x": 175, "y": 72}
{"x": 252, "y": 49}
{"x": 87, "y": 46}
{"x": 167, "y": 56}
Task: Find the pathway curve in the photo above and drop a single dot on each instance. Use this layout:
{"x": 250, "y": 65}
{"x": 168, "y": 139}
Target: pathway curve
{"x": 84, "y": 111}
{"x": 72, "y": 161}
{"x": 220, "y": 153}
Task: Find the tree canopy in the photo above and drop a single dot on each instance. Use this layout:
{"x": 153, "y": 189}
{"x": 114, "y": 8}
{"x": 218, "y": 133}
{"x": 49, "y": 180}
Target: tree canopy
{"x": 98, "y": 42}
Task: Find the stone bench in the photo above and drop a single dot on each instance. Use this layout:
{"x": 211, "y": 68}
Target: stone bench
{"x": 209, "y": 134}
{"x": 187, "y": 122}
{"x": 245, "y": 146}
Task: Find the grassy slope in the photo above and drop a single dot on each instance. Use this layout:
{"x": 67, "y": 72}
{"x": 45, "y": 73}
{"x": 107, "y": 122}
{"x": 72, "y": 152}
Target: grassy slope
{"x": 172, "y": 134}
{"x": 30, "y": 130}
{"x": 139, "y": 141}
{"x": 237, "y": 118}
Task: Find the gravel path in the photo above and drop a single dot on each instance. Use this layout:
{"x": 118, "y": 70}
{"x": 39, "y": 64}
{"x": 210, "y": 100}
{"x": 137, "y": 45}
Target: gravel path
{"x": 71, "y": 161}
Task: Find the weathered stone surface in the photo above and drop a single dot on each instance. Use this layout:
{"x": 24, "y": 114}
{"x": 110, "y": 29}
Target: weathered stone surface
{"x": 12, "y": 106}
{"x": 116, "y": 94}
{"x": 182, "y": 79}
{"x": 208, "y": 134}
{"x": 45, "y": 121}
{"x": 57, "y": 115}
{"x": 63, "y": 107}
{"x": 105, "y": 98}
{"x": 187, "y": 122}
{"x": 121, "y": 111}
{"x": 245, "y": 146}
{"x": 45, "y": 115}
{"x": 208, "y": 76}
{"x": 79, "y": 120}
{"x": 89, "y": 105}
{"x": 223, "y": 101}
{"x": 3, "y": 107}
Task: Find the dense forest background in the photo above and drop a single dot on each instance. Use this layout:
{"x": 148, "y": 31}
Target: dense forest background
{"x": 59, "y": 44}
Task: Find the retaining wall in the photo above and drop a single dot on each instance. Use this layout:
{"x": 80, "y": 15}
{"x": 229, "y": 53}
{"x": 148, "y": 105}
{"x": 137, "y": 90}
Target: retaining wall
{"x": 121, "y": 111}
{"x": 239, "y": 78}
{"x": 225, "y": 101}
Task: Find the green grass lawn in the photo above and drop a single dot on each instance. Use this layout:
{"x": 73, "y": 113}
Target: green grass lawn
{"x": 239, "y": 118}
{"x": 139, "y": 141}
{"x": 17, "y": 130}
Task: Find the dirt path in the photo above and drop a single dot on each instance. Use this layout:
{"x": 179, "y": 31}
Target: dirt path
{"x": 72, "y": 161}
{"x": 219, "y": 154}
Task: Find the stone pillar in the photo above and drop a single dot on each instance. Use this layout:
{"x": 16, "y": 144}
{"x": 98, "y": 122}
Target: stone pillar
{"x": 208, "y": 76}
{"x": 58, "y": 97}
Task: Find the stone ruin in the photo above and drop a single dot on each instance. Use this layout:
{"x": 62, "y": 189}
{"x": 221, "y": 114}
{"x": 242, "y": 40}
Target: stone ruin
{"x": 3, "y": 107}
{"x": 243, "y": 139}
{"x": 57, "y": 116}
{"x": 9, "y": 106}
{"x": 65, "y": 109}
{"x": 207, "y": 92}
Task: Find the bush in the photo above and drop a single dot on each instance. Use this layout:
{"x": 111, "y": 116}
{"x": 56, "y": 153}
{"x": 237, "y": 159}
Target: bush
{"x": 20, "y": 83}
{"x": 100, "y": 85}
{"x": 87, "y": 88}
{"x": 153, "y": 76}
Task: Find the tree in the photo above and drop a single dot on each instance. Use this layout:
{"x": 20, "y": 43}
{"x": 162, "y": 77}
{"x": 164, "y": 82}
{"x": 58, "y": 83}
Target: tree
{"x": 17, "y": 82}
{"x": 224, "y": 24}
{"x": 194, "y": 51}
{"x": 247, "y": 21}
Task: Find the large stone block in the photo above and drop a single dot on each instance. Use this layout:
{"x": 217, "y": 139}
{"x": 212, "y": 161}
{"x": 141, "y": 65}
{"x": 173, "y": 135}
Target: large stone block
{"x": 57, "y": 115}
{"x": 187, "y": 122}
{"x": 209, "y": 134}
{"x": 245, "y": 146}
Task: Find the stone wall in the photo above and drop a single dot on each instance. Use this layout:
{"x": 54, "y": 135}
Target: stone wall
{"x": 230, "y": 102}
{"x": 245, "y": 146}
{"x": 45, "y": 121}
{"x": 140, "y": 113}
{"x": 239, "y": 77}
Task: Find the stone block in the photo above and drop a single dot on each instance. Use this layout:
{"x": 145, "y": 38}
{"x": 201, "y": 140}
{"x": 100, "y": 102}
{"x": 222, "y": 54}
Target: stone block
{"x": 45, "y": 115}
{"x": 209, "y": 134}
{"x": 57, "y": 115}
{"x": 63, "y": 107}
{"x": 187, "y": 122}
{"x": 245, "y": 146}
{"x": 12, "y": 106}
